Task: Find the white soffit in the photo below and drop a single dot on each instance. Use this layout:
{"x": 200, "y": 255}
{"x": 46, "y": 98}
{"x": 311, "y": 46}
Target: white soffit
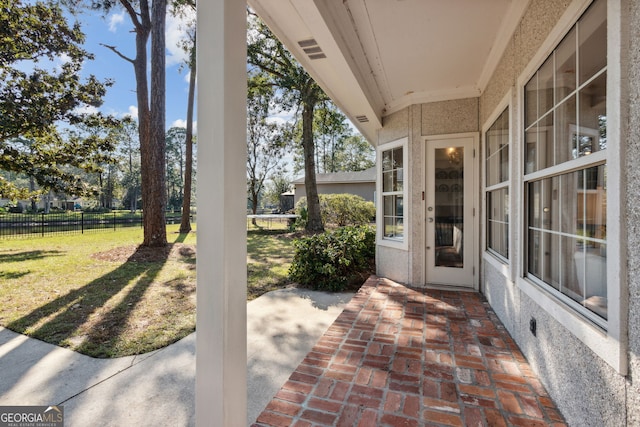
{"x": 384, "y": 55}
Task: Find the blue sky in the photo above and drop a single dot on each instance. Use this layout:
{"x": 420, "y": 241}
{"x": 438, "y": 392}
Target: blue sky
{"x": 115, "y": 29}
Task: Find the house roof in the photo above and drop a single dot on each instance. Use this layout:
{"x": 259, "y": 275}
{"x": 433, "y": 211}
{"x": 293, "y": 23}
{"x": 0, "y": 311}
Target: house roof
{"x": 375, "y": 57}
{"x": 367, "y": 175}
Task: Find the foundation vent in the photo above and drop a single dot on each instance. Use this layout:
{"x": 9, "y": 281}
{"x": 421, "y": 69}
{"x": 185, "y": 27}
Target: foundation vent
{"x": 312, "y": 49}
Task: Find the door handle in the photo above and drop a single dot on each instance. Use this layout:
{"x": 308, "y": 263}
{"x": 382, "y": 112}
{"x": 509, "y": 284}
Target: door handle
{"x": 430, "y": 219}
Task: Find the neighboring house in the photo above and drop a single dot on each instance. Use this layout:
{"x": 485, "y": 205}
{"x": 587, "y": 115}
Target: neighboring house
{"x": 361, "y": 184}
{"x": 55, "y": 202}
{"x": 508, "y": 147}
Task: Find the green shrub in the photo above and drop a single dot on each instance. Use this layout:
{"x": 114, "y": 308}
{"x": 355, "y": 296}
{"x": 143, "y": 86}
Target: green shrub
{"x": 334, "y": 259}
{"x": 342, "y": 209}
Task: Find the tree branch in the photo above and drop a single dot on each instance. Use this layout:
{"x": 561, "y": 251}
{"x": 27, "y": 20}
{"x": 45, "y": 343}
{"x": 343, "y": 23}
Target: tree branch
{"x": 132, "y": 13}
{"x": 117, "y": 52}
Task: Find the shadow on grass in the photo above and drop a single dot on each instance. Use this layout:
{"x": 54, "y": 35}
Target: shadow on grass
{"x": 264, "y": 245}
{"x": 13, "y": 274}
{"x": 28, "y": 256}
{"x": 59, "y": 319}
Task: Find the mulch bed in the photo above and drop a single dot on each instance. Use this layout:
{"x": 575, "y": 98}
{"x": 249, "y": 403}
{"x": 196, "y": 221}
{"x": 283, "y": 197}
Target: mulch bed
{"x": 137, "y": 253}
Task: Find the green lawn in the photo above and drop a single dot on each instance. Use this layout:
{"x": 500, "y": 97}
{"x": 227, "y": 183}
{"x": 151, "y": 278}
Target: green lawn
{"x": 99, "y": 294}
{"x": 269, "y": 254}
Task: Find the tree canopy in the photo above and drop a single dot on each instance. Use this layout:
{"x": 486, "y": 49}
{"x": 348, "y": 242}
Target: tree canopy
{"x": 298, "y": 89}
{"x": 266, "y": 140}
{"x": 41, "y": 58}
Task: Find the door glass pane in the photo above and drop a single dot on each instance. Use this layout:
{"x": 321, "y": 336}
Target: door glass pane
{"x": 449, "y": 207}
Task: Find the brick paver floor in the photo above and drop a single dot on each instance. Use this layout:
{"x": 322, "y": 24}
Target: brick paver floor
{"x": 398, "y": 356}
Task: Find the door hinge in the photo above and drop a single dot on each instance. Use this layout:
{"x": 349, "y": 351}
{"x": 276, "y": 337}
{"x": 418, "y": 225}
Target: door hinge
{"x": 474, "y": 212}
{"x": 474, "y": 153}
{"x": 473, "y": 271}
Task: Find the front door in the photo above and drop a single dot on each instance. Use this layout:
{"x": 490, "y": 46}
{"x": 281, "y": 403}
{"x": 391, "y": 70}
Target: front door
{"x": 450, "y": 210}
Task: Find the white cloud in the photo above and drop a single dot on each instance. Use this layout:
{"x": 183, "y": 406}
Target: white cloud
{"x": 175, "y": 32}
{"x": 181, "y": 123}
{"x": 115, "y": 20}
{"x": 281, "y": 117}
{"x": 64, "y": 58}
{"x": 61, "y": 60}
{"x": 133, "y": 112}
{"x": 276, "y": 119}
{"x": 86, "y": 109}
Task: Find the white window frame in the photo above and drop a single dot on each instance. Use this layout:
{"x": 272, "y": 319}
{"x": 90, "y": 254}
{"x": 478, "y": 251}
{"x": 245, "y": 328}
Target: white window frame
{"x": 394, "y": 242}
{"x": 498, "y": 261}
{"x": 609, "y": 342}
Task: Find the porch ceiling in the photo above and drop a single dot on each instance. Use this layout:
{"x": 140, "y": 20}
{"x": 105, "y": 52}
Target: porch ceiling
{"x": 379, "y": 56}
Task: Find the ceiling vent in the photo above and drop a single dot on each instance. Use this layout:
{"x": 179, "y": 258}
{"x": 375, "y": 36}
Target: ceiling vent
{"x": 312, "y": 49}
{"x": 362, "y": 119}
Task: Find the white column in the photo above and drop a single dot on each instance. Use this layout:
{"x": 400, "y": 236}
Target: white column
{"x": 221, "y": 353}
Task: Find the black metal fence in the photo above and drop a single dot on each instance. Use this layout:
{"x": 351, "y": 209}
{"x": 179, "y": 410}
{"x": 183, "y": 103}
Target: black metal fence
{"x": 41, "y": 224}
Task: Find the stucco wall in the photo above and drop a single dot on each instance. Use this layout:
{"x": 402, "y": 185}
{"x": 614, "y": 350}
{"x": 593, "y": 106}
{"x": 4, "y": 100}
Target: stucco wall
{"x": 447, "y": 117}
{"x": 392, "y": 263}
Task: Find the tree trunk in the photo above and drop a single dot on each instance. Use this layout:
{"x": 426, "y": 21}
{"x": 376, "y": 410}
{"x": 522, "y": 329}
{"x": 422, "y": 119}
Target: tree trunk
{"x": 254, "y": 201}
{"x": 185, "y": 222}
{"x": 314, "y": 220}
{"x": 155, "y": 202}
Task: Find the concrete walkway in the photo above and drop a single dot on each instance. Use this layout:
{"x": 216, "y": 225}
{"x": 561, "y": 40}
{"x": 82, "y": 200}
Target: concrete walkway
{"x": 157, "y": 388}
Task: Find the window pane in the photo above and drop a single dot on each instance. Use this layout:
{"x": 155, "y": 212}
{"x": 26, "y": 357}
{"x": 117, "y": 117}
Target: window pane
{"x": 397, "y": 158}
{"x": 497, "y": 141}
{"x": 546, "y": 152}
{"x": 387, "y": 181}
{"x": 535, "y": 204}
{"x": 493, "y": 170}
{"x": 389, "y": 227}
{"x": 387, "y": 160}
{"x": 498, "y": 221}
{"x": 551, "y": 262}
{"x": 591, "y": 271}
{"x": 535, "y": 253}
{"x": 389, "y": 205}
{"x": 565, "y": 130}
{"x": 399, "y": 224}
{"x": 572, "y": 274}
{"x": 504, "y": 163}
{"x": 545, "y": 87}
{"x": 531, "y": 101}
{"x": 399, "y": 206}
{"x": 572, "y": 203}
{"x": 566, "y": 66}
{"x": 593, "y": 113}
{"x": 551, "y": 203}
{"x": 531, "y": 150}
{"x": 592, "y": 30}
{"x": 399, "y": 180}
